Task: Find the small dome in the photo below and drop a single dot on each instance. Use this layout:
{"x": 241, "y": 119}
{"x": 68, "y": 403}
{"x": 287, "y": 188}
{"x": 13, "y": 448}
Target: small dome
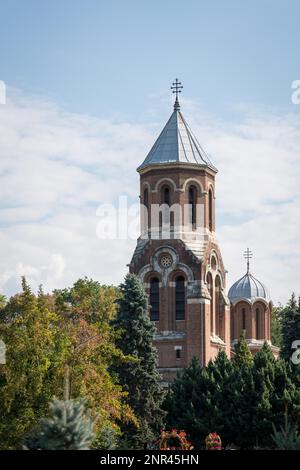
{"x": 248, "y": 288}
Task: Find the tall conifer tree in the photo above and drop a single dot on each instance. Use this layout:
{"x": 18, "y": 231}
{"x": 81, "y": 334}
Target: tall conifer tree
{"x": 290, "y": 327}
{"x": 139, "y": 377}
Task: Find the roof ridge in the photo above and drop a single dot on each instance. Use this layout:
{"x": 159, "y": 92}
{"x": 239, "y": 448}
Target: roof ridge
{"x": 176, "y": 144}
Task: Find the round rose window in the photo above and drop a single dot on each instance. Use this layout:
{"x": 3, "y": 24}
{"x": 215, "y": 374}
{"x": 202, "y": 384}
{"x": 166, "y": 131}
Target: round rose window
{"x": 166, "y": 261}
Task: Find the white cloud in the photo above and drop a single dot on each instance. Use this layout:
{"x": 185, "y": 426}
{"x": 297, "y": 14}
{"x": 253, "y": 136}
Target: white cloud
{"x": 57, "y": 167}
{"x": 258, "y": 197}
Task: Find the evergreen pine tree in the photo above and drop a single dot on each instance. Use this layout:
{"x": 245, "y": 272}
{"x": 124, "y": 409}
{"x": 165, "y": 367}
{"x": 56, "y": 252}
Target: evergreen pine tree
{"x": 290, "y": 327}
{"x": 264, "y": 377}
{"x": 184, "y": 400}
{"x": 287, "y": 437}
{"x": 199, "y": 400}
{"x": 276, "y": 325}
{"x": 242, "y": 354}
{"x": 239, "y": 399}
{"x": 67, "y": 428}
{"x": 139, "y": 377}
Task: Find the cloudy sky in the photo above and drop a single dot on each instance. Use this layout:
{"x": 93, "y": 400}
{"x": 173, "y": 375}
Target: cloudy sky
{"x": 87, "y": 94}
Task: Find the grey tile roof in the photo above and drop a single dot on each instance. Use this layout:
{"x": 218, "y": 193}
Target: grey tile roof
{"x": 248, "y": 288}
{"x": 176, "y": 144}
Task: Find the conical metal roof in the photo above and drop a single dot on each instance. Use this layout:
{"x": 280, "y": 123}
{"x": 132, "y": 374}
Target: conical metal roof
{"x": 176, "y": 144}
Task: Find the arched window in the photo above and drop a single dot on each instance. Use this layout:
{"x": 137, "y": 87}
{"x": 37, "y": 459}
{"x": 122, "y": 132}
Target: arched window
{"x": 232, "y": 332}
{"x": 154, "y": 299}
{"x": 180, "y": 298}
{"x": 166, "y": 195}
{"x": 217, "y": 306}
{"x": 146, "y": 198}
{"x": 146, "y": 211}
{"x": 192, "y": 205}
{"x": 257, "y": 323}
{"x": 164, "y": 213}
{"x": 210, "y": 209}
{"x": 243, "y": 319}
{"x": 210, "y": 290}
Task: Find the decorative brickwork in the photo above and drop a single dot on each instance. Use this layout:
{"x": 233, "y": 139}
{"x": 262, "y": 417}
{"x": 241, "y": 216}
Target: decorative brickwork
{"x": 180, "y": 251}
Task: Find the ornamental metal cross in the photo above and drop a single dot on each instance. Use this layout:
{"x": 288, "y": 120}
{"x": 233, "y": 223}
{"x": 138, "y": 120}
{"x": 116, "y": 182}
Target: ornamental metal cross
{"x": 248, "y": 255}
{"x": 176, "y": 87}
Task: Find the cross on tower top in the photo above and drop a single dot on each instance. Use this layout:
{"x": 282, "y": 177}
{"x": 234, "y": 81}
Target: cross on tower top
{"x": 176, "y": 88}
{"x": 248, "y": 255}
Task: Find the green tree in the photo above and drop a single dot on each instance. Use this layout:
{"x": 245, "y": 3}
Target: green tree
{"x": 276, "y": 325}
{"x": 185, "y": 400}
{"x": 2, "y": 301}
{"x": 290, "y": 327}
{"x": 67, "y": 428}
{"x": 139, "y": 377}
{"x": 59, "y": 345}
{"x": 34, "y": 354}
{"x": 199, "y": 399}
{"x": 239, "y": 399}
{"x": 86, "y": 311}
{"x": 242, "y": 354}
{"x": 287, "y": 437}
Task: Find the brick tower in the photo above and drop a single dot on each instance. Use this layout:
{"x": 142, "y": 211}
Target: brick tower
{"x": 177, "y": 256}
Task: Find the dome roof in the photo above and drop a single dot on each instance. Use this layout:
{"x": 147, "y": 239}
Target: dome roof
{"x": 248, "y": 288}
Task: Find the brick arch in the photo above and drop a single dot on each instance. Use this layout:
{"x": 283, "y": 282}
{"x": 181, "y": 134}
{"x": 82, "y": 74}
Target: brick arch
{"x": 146, "y": 184}
{"x": 193, "y": 182}
{"x": 212, "y": 188}
{"x": 242, "y": 319}
{"x": 187, "y": 270}
{"x": 150, "y": 274}
{"x": 162, "y": 181}
{"x": 177, "y": 272}
{"x": 213, "y": 255}
{"x": 145, "y": 271}
{"x": 260, "y": 311}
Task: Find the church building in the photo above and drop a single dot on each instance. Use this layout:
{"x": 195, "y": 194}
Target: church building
{"x": 178, "y": 258}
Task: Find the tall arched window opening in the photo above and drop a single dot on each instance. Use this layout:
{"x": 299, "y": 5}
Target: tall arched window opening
{"x": 232, "y": 332}
{"x": 146, "y": 198}
{"x": 180, "y": 298}
{"x": 164, "y": 213}
{"x": 210, "y": 209}
{"x": 146, "y": 211}
{"x": 217, "y": 306}
{"x": 166, "y": 195}
{"x": 211, "y": 292}
{"x": 257, "y": 323}
{"x": 154, "y": 299}
{"x": 192, "y": 206}
{"x": 243, "y": 319}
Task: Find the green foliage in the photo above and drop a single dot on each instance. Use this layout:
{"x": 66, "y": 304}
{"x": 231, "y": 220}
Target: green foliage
{"x": 34, "y": 354}
{"x": 239, "y": 399}
{"x": 290, "y": 327}
{"x": 139, "y": 377}
{"x": 287, "y": 437}
{"x": 276, "y": 325}
{"x": 2, "y": 301}
{"x": 242, "y": 354}
{"x": 63, "y": 346}
{"x": 67, "y": 428}
{"x": 88, "y": 299}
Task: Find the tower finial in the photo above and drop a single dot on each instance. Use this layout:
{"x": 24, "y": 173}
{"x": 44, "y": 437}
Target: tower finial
{"x": 248, "y": 255}
{"x": 176, "y": 88}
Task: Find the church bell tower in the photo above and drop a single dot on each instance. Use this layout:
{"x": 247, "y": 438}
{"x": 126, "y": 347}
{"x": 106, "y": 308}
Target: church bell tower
{"x": 177, "y": 256}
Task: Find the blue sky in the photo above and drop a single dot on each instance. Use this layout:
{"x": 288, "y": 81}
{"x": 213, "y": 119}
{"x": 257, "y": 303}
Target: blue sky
{"x": 88, "y": 91}
{"x": 112, "y": 58}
